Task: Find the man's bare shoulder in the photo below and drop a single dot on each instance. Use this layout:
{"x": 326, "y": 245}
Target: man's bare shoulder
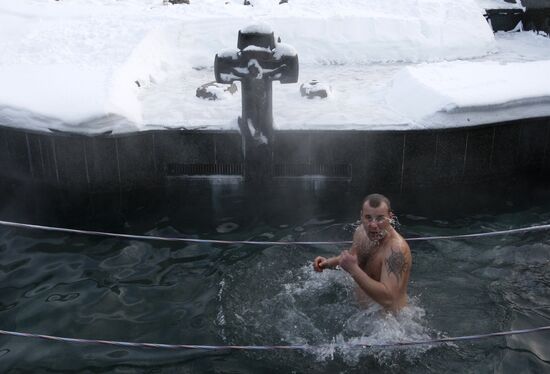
{"x": 359, "y": 237}
{"x": 398, "y": 259}
{"x": 398, "y": 245}
{"x": 398, "y": 242}
{"x": 359, "y": 234}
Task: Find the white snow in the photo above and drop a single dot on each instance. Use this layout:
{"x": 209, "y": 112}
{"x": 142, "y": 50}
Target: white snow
{"x": 283, "y": 49}
{"x": 225, "y": 53}
{"x": 260, "y": 28}
{"x": 255, "y": 48}
{"x": 92, "y": 66}
{"x": 315, "y": 87}
{"x": 450, "y": 94}
{"x": 500, "y": 4}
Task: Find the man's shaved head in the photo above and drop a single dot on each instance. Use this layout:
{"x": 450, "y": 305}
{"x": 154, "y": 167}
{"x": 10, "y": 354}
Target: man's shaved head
{"x": 375, "y": 200}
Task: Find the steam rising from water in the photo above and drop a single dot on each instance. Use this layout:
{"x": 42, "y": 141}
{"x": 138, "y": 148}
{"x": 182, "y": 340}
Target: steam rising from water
{"x": 270, "y": 305}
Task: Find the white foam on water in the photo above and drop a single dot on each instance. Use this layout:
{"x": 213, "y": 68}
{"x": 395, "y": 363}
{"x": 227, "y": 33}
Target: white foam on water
{"x": 370, "y": 326}
{"x": 299, "y": 306}
{"x": 386, "y": 328}
{"x": 220, "y": 317}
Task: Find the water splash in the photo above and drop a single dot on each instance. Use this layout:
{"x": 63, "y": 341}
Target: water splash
{"x": 299, "y": 306}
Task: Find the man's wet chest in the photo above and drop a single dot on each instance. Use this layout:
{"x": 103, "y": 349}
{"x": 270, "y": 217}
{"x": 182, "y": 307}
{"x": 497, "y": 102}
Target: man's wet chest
{"x": 371, "y": 262}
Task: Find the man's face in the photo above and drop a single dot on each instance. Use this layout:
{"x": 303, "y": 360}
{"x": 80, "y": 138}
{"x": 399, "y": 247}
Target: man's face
{"x": 376, "y": 221}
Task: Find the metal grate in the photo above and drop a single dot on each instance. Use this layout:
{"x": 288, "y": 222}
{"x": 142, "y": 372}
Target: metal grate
{"x": 203, "y": 169}
{"x": 312, "y": 170}
{"x": 279, "y": 170}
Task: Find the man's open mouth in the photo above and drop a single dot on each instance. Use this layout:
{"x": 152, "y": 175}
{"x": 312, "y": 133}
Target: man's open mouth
{"x": 377, "y": 235}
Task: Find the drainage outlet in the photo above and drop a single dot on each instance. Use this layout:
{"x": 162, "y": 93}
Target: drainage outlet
{"x": 197, "y": 170}
{"x": 340, "y": 171}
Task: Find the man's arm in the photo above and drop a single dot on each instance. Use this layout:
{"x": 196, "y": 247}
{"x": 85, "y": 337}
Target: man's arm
{"x": 393, "y": 278}
{"x": 320, "y": 263}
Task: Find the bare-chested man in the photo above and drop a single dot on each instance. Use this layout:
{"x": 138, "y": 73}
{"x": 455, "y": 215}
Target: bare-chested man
{"x": 379, "y": 259}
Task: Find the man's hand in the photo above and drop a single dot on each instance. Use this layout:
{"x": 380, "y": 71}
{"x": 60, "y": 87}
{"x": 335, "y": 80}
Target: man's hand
{"x": 319, "y": 264}
{"x": 348, "y": 261}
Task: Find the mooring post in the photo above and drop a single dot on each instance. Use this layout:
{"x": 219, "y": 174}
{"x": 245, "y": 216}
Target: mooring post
{"x": 256, "y": 63}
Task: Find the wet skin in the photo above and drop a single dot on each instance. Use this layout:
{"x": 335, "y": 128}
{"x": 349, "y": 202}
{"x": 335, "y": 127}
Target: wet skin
{"x": 379, "y": 259}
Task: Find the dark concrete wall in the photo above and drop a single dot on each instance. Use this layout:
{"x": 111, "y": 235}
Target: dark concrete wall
{"x": 388, "y": 160}
{"x": 536, "y": 4}
{"x": 504, "y": 19}
{"x": 432, "y": 158}
{"x": 108, "y": 163}
{"x": 536, "y": 17}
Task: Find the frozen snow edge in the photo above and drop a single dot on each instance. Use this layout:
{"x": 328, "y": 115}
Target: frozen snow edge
{"x": 465, "y": 93}
{"x": 525, "y": 108}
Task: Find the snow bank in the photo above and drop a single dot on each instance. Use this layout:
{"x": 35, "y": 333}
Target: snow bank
{"x": 75, "y": 92}
{"x": 72, "y": 66}
{"x": 85, "y": 65}
{"x": 352, "y": 31}
{"x": 500, "y": 4}
{"x": 459, "y": 93}
{"x": 359, "y": 95}
{"x": 62, "y": 91}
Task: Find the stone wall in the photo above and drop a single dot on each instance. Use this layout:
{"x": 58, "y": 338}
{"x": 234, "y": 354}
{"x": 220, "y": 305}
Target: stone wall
{"x": 388, "y": 160}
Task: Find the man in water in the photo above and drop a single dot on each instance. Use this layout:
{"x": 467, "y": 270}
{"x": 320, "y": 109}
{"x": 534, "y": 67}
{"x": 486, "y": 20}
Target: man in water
{"x": 379, "y": 259}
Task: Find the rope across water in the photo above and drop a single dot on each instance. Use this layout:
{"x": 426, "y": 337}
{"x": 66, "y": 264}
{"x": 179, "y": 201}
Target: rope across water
{"x": 270, "y": 347}
{"x": 270, "y": 243}
{"x": 300, "y": 347}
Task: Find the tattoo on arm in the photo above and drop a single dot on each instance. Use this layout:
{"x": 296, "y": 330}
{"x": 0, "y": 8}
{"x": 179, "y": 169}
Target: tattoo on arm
{"x": 396, "y": 264}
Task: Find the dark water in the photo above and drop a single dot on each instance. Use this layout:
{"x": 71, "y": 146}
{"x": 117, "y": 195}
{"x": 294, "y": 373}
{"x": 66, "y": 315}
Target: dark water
{"x": 175, "y": 293}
